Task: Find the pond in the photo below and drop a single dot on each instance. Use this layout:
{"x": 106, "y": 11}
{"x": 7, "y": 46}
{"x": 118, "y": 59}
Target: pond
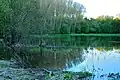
{"x": 99, "y": 55}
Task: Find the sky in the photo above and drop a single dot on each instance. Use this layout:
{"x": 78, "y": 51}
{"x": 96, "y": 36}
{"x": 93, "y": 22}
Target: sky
{"x": 96, "y": 8}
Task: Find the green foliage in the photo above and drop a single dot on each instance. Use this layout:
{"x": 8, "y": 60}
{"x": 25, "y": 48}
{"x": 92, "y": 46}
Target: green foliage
{"x": 4, "y": 16}
{"x": 84, "y": 74}
{"x": 37, "y": 16}
{"x": 68, "y": 75}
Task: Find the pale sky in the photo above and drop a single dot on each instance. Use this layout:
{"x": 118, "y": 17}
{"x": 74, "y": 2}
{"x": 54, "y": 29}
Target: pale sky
{"x": 96, "y": 8}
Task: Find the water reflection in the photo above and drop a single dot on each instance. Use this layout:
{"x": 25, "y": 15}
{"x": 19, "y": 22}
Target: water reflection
{"x": 53, "y": 59}
{"x": 73, "y": 41}
{"x": 65, "y": 52}
{"x": 99, "y": 62}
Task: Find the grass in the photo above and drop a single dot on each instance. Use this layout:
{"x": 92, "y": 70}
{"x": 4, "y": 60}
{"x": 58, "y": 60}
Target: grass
{"x": 69, "y": 75}
{"x": 84, "y": 74}
{"x": 63, "y": 35}
{"x": 95, "y": 34}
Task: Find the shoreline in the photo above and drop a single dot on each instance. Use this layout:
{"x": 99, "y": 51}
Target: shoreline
{"x": 95, "y": 35}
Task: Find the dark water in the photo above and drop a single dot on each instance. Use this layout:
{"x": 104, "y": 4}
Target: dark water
{"x": 100, "y": 55}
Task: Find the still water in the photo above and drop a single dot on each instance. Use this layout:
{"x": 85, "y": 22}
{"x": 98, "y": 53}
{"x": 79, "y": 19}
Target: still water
{"x": 100, "y": 55}
{"x": 99, "y": 62}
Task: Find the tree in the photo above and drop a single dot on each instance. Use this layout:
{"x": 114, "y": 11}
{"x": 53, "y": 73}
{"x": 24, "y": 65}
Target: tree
{"x": 4, "y": 17}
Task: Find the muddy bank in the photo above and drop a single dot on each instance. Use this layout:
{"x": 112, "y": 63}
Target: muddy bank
{"x": 41, "y": 74}
{"x": 7, "y": 72}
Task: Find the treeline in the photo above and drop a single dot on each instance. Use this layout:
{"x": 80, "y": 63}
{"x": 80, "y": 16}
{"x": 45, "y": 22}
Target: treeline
{"x": 37, "y": 17}
{"x": 102, "y": 24}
